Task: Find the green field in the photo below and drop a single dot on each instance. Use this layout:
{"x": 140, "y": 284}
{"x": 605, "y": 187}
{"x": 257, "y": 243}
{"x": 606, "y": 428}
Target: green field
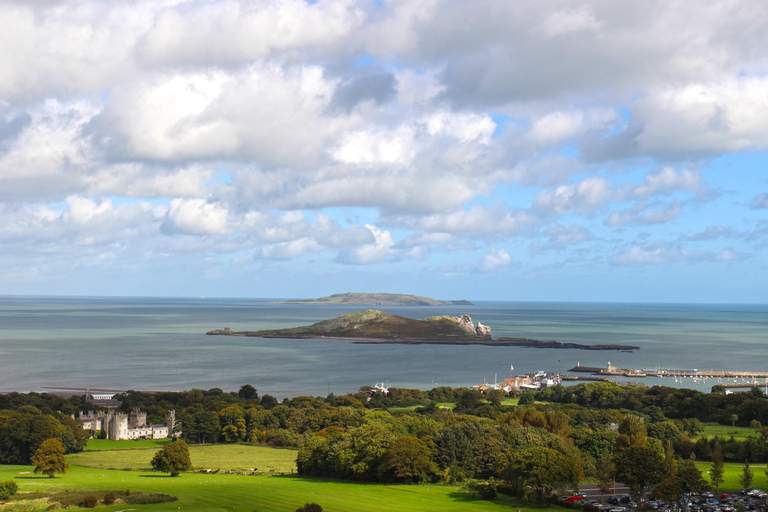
{"x": 105, "y": 444}
{"x": 136, "y": 455}
{"x": 202, "y": 492}
{"x": 732, "y": 473}
{"x": 727, "y": 431}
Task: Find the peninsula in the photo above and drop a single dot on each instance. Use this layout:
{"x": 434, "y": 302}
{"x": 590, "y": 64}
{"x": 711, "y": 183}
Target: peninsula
{"x": 378, "y": 299}
{"x": 372, "y": 326}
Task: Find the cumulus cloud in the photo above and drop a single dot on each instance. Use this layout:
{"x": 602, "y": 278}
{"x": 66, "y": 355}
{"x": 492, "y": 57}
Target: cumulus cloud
{"x": 379, "y": 251}
{"x": 378, "y": 132}
{"x": 584, "y": 197}
{"x": 643, "y": 214}
{"x": 561, "y": 237}
{"x": 494, "y": 261}
{"x": 196, "y": 217}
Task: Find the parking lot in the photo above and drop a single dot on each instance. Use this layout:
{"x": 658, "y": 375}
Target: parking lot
{"x": 752, "y": 499}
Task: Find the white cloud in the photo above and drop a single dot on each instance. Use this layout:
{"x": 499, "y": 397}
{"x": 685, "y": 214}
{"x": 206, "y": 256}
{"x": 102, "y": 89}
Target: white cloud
{"x": 196, "y": 217}
{"x": 289, "y": 250}
{"x": 666, "y": 180}
{"x": 477, "y": 221}
{"x": 494, "y": 261}
{"x": 656, "y": 255}
{"x": 644, "y": 214}
{"x": 725, "y": 115}
{"x": 561, "y": 237}
{"x": 584, "y": 197}
{"x": 377, "y": 252}
{"x": 568, "y": 20}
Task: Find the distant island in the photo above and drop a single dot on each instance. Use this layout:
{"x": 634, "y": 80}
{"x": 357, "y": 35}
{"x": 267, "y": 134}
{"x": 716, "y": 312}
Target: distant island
{"x": 373, "y": 326}
{"x": 378, "y": 299}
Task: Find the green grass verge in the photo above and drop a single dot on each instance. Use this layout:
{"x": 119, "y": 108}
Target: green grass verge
{"x": 727, "y": 431}
{"x": 732, "y": 473}
{"x": 225, "y": 457}
{"x": 231, "y": 493}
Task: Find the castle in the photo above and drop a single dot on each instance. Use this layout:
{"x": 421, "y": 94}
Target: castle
{"x": 117, "y": 425}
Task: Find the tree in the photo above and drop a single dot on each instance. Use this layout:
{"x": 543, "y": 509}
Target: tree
{"x": 717, "y": 470}
{"x": 248, "y": 392}
{"x": 734, "y": 419}
{"x": 408, "y": 459}
{"x": 49, "y": 458}
{"x": 745, "y": 478}
{"x": 172, "y": 458}
{"x": 539, "y": 469}
{"x": 639, "y": 467}
{"x": 605, "y": 471}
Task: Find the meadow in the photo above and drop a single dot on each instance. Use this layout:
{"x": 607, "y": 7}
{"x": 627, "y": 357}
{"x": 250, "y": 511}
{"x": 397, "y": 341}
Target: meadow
{"x": 223, "y": 492}
{"x": 136, "y": 455}
{"x": 727, "y": 431}
{"x": 733, "y": 472}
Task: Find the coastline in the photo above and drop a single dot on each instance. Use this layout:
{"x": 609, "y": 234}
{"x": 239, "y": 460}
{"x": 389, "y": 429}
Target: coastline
{"x": 500, "y": 342}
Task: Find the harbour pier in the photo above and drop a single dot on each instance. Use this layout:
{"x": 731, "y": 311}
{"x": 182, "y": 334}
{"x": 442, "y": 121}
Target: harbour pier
{"x": 671, "y": 372}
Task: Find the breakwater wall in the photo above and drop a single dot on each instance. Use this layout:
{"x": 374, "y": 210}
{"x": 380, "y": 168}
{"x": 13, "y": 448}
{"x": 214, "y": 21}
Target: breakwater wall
{"x": 659, "y": 372}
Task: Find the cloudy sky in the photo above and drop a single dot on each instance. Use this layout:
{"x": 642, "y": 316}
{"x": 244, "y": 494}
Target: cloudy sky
{"x": 492, "y": 149}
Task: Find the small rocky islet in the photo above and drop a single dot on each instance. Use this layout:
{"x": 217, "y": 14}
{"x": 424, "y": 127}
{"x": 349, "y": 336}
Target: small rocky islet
{"x": 373, "y": 326}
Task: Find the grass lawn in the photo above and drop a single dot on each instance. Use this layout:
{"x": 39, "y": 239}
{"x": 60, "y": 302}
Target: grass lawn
{"x": 234, "y": 457}
{"x": 105, "y": 444}
{"x": 201, "y": 492}
{"x": 732, "y": 473}
{"x": 713, "y": 429}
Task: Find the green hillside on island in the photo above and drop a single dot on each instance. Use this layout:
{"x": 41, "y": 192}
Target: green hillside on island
{"x": 373, "y": 326}
{"x": 376, "y": 325}
{"x": 378, "y": 299}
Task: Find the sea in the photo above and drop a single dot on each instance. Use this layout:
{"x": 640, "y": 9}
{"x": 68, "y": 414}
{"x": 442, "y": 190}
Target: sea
{"x": 159, "y": 344}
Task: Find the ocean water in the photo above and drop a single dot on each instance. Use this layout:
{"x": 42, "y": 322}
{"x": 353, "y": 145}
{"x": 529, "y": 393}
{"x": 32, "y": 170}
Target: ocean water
{"x": 160, "y": 344}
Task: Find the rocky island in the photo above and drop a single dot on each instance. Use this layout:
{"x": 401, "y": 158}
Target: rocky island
{"x": 378, "y": 299}
{"x": 374, "y": 326}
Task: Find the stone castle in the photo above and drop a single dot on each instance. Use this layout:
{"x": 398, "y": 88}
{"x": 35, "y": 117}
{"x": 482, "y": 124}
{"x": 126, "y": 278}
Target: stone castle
{"x": 117, "y": 425}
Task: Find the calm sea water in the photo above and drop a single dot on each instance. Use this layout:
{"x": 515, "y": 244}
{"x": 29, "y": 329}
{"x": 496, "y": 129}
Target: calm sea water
{"x": 160, "y": 344}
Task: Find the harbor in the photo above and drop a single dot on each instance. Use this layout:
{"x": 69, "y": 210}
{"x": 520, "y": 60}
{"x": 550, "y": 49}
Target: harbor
{"x": 726, "y": 378}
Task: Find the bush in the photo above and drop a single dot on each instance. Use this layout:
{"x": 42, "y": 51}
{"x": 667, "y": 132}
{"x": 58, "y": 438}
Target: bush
{"x": 90, "y": 501}
{"x": 149, "y": 499}
{"x": 7, "y": 489}
{"x": 483, "y": 490}
{"x": 109, "y": 498}
{"x": 310, "y": 507}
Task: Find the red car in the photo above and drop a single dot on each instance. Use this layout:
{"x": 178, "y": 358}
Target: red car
{"x": 575, "y": 497}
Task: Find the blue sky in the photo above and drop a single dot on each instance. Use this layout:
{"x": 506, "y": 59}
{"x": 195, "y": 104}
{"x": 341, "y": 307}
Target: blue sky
{"x": 555, "y": 151}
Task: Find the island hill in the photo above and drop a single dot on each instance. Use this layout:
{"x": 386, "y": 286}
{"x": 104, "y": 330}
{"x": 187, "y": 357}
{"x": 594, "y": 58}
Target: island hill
{"x": 374, "y": 326}
{"x": 378, "y": 299}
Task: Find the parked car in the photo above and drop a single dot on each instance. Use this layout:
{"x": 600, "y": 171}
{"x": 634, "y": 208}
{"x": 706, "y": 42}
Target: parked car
{"x": 575, "y": 497}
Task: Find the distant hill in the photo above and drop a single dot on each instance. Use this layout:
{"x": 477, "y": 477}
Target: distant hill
{"x": 378, "y": 299}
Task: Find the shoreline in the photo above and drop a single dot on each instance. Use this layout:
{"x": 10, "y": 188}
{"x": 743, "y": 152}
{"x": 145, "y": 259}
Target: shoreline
{"x": 500, "y": 342}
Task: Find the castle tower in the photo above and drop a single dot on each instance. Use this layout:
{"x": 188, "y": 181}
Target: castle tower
{"x": 170, "y": 422}
{"x": 137, "y": 418}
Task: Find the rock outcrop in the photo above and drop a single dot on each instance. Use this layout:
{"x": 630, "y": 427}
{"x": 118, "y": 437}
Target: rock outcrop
{"x": 465, "y": 322}
{"x": 483, "y": 330}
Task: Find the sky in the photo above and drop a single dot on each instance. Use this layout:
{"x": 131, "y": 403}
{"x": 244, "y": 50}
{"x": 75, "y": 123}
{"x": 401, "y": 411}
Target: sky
{"x": 520, "y": 150}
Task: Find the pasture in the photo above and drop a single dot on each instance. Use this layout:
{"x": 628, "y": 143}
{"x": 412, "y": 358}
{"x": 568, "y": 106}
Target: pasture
{"x": 727, "y": 431}
{"x": 733, "y": 472}
{"x": 232, "y": 493}
{"x": 223, "y": 457}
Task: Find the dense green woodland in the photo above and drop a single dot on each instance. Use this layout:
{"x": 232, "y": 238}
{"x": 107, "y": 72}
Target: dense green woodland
{"x": 641, "y": 436}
